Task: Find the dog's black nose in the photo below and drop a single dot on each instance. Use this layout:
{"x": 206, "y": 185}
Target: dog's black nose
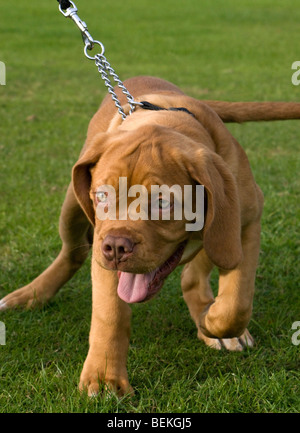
{"x": 117, "y": 248}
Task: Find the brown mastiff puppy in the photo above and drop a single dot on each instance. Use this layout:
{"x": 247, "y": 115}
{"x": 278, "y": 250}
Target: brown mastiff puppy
{"x": 131, "y": 258}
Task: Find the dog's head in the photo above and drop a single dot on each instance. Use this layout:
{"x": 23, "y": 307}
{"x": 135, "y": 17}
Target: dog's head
{"x": 139, "y": 230}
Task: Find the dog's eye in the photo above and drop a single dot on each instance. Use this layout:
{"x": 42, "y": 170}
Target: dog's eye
{"x": 163, "y": 204}
{"x": 101, "y": 196}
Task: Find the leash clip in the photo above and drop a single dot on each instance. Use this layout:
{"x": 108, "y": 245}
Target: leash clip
{"x": 71, "y": 12}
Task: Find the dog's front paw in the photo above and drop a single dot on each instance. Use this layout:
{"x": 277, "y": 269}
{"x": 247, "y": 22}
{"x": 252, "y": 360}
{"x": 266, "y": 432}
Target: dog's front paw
{"x": 225, "y": 319}
{"x": 236, "y": 344}
{"x": 96, "y": 378}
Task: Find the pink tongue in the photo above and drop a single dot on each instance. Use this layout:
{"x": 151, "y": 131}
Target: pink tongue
{"x": 134, "y": 287}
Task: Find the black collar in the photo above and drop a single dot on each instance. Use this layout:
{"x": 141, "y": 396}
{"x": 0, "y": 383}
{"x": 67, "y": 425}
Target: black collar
{"x": 148, "y": 106}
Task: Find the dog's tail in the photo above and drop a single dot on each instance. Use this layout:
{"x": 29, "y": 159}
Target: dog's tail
{"x": 255, "y": 111}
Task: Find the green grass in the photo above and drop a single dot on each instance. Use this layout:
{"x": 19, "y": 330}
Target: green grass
{"x": 214, "y": 50}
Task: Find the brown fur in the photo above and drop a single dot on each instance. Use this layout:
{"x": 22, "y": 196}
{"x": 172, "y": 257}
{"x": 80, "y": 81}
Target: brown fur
{"x": 162, "y": 147}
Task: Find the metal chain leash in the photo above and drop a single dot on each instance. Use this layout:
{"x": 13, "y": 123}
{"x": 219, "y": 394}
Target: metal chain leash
{"x": 101, "y": 62}
{"x": 105, "y": 70}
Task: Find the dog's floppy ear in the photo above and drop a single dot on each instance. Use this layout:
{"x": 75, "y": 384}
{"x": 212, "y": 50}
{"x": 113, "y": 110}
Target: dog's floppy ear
{"x": 81, "y": 174}
{"x": 222, "y": 227}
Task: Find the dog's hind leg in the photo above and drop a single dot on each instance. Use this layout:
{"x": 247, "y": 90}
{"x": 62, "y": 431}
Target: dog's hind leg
{"x": 197, "y": 292}
{"x": 76, "y": 235}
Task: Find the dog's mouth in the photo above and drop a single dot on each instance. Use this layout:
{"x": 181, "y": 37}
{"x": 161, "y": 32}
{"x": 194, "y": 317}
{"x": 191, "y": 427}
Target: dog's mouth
{"x": 134, "y": 288}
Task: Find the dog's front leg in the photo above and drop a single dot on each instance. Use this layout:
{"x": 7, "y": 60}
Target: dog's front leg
{"x": 229, "y": 315}
{"x": 109, "y": 336}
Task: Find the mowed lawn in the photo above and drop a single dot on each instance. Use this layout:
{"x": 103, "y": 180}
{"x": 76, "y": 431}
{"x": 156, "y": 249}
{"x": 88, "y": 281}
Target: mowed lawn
{"x": 229, "y": 50}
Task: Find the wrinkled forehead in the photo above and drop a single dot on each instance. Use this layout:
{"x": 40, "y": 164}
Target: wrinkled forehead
{"x": 146, "y": 164}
